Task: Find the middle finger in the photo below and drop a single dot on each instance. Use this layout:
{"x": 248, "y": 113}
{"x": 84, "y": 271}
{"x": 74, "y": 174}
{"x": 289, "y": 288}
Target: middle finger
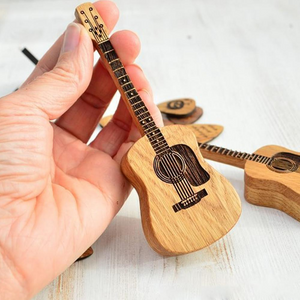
{"x": 83, "y": 117}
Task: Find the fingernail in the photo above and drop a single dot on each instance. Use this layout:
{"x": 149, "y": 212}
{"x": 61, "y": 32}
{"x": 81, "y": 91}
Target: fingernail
{"x": 72, "y": 36}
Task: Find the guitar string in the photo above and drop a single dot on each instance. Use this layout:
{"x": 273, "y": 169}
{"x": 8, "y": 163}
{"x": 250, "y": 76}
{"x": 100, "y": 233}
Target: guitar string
{"x": 183, "y": 185}
{"x": 171, "y": 174}
{"x": 265, "y": 160}
{"x": 252, "y": 157}
{"x": 178, "y": 185}
{"x": 187, "y": 185}
{"x": 174, "y": 163}
{"x": 188, "y": 197}
{"x": 143, "y": 109}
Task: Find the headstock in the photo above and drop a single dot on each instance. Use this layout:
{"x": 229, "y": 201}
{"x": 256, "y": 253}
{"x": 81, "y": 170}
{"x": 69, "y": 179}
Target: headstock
{"x": 88, "y": 16}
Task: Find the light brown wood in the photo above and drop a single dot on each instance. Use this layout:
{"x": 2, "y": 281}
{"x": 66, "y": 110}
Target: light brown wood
{"x": 185, "y": 204}
{"x": 188, "y": 119}
{"x": 189, "y": 230}
{"x": 87, "y": 14}
{"x": 205, "y": 132}
{"x": 212, "y": 152}
{"x": 104, "y": 121}
{"x": 266, "y": 187}
{"x": 272, "y": 175}
{"x": 178, "y": 107}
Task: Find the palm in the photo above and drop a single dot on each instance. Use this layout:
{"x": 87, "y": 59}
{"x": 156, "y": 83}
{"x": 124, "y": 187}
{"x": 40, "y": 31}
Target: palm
{"x": 58, "y": 194}
{"x": 63, "y": 213}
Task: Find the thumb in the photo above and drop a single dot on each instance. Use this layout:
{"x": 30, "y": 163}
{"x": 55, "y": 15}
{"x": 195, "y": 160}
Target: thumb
{"x": 55, "y": 91}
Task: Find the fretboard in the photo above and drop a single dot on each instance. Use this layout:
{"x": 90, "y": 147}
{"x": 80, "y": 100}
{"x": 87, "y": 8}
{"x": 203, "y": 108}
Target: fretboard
{"x": 98, "y": 32}
{"x": 230, "y": 157}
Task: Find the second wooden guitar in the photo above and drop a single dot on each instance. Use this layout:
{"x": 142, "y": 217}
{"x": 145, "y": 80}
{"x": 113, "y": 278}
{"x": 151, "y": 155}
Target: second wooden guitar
{"x": 272, "y": 175}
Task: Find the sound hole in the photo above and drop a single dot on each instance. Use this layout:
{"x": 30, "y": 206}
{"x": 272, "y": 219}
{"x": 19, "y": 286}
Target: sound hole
{"x": 170, "y": 167}
{"x": 283, "y": 165}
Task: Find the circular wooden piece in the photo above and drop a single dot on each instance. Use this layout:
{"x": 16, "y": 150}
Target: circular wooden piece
{"x": 193, "y": 117}
{"x": 178, "y": 107}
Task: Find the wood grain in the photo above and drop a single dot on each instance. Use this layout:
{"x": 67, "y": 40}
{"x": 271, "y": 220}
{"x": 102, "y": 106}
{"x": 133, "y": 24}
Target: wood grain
{"x": 151, "y": 171}
{"x": 189, "y": 119}
{"x": 178, "y": 107}
{"x": 205, "y": 132}
{"x": 271, "y": 175}
{"x": 208, "y": 151}
{"x": 268, "y": 188}
{"x": 189, "y": 230}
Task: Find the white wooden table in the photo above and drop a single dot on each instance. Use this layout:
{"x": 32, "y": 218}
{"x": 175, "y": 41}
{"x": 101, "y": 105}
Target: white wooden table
{"x": 240, "y": 60}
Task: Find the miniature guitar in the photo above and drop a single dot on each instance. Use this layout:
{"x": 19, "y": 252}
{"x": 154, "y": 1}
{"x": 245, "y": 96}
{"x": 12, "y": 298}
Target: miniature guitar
{"x": 272, "y": 175}
{"x": 185, "y": 204}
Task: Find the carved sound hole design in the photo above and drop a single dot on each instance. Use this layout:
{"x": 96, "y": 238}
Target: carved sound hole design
{"x": 176, "y": 104}
{"x": 284, "y": 162}
{"x": 179, "y": 166}
{"x": 170, "y": 167}
{"x": 283, "y": 165}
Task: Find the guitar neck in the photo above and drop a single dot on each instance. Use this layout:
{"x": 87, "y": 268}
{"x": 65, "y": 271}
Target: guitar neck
{"x": 92, "y": 21}
{"x": 230, "y": 157}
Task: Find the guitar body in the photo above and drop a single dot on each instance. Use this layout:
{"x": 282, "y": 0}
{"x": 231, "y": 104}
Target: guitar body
{"x": 172, "y": 223}
{"x": 276, "y": 187}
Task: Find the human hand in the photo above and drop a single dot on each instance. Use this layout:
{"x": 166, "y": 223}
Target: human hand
{"x": 58, "y": 194}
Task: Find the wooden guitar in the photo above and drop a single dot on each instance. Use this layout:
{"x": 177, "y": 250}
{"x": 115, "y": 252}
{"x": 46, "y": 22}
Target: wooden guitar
{"x": 185, "y": 204}
{"x": 272, "y": 175}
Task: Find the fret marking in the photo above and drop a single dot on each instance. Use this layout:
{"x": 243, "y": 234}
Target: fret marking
{"x": 116, "y": 64}
{"x": 120, "y": 72}
{"x": 106, "y": 46}
{"x": 235, "y": 154}
{"x": 124, "y": 80}
{"x": 99, "y": 35}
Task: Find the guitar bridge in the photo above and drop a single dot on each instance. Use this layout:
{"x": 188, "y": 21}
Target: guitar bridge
{"x": 186, "y": 203}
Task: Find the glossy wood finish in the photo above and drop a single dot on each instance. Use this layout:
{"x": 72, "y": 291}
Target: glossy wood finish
{"x": 272, "y": 175}
{"x": 164, "y": 166}
{"x": 189, "y": 230}
{"x": 266, "y": 187}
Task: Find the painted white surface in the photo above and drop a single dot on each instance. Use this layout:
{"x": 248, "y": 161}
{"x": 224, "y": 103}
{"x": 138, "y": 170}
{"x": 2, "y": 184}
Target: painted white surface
{"x": 240, "y": 60}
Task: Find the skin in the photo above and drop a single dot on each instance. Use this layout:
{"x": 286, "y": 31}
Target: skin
{"x": 58, "y": 194}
